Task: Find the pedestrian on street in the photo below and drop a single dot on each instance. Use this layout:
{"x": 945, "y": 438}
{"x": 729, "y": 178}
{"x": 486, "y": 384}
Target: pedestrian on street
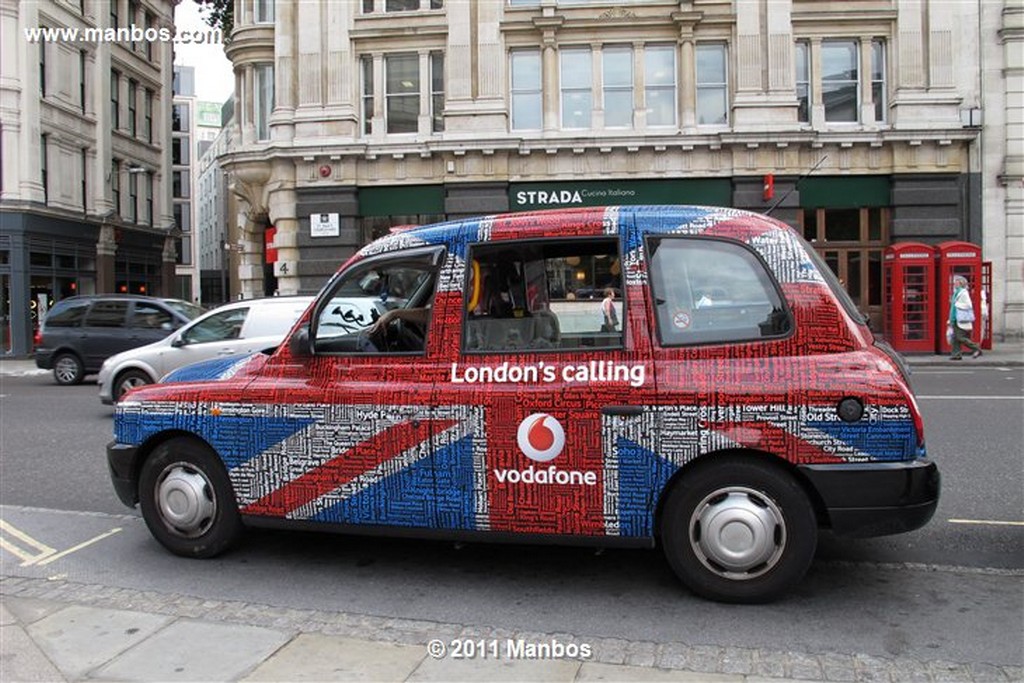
{"x": 609, "y": 315}
{"x": 961, "y": 319}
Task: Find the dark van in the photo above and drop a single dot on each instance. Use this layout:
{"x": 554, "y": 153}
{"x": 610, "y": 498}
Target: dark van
{"x": 81, "y": 332}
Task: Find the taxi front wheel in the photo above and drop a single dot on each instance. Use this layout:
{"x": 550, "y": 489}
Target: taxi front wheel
{"x": 187, "y": 499}
{"x": 738, "y": 529}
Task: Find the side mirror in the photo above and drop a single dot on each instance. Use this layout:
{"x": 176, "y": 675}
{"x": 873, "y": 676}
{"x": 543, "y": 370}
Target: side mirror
{"x": 177, "y": 342}
{"x": 299, "y": 344}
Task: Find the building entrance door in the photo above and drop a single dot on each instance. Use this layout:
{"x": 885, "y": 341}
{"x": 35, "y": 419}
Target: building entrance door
{"x": 851, "y": 242}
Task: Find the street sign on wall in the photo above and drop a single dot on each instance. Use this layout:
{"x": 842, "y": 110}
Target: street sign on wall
{"x": 324, "y": 225}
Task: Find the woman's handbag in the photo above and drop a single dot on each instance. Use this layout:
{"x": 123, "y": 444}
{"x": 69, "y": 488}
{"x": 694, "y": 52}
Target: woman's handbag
{"x": 965, "y": 315}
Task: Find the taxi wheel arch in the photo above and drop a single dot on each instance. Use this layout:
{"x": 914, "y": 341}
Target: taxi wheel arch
{"x": 749, "y": 494}
{"x": 186, "y": 498}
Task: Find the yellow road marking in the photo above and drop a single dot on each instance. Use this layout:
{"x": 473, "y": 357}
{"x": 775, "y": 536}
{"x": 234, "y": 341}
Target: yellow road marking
{"x": 44, "y": 554}
{"x": 988, "y": 522}
{"x": 42, "y": 550}
{"x": 72, "y": 549}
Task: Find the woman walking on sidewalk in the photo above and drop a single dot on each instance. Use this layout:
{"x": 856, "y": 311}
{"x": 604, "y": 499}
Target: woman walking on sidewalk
{"x": 961, "y": 319}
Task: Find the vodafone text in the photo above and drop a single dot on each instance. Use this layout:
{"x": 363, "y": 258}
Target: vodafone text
{"x": 591, "y": 371}
{"x": 550, "y": 475}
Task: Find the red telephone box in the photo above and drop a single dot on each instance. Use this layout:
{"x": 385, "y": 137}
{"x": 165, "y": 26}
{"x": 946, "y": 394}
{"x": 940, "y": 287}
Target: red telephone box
{"x": 957, "y": 258}
{"x": 909, "y": 291}
{"x": 986, "y": 305}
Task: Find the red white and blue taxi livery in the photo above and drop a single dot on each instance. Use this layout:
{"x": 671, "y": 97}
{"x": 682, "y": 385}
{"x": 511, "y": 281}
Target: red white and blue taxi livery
{"x": 730, "y": 417}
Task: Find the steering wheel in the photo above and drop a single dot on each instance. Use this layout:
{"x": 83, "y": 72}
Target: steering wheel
{"x": 408, "y": 337}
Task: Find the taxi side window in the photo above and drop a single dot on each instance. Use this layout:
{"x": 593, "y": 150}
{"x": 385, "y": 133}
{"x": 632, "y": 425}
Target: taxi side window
{"x": 383, "y": 307}
{"x": 541, "y": 296}
{"x": 708, "y": 291}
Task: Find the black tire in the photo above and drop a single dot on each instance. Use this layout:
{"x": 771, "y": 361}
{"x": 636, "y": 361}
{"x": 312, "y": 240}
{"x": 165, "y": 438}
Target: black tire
{"x": 187, "y": 499}
{"x": 738, "y": 529}
{"x": 68, "y": 369}
{"x": 129, "y": 379}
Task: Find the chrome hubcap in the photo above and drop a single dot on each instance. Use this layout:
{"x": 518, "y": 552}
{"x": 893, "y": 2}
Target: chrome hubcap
{"x": 66, "y": 369}
{"x": 185, "y": 499}
{"x": 738, "y": 533}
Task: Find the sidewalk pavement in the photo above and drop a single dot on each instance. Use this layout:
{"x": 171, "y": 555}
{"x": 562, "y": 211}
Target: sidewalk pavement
{"x": 56, "y": 630}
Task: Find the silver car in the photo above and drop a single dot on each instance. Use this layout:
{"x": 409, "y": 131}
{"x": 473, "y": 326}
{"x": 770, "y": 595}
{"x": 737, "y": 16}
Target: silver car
{"x": 235, "y": 329}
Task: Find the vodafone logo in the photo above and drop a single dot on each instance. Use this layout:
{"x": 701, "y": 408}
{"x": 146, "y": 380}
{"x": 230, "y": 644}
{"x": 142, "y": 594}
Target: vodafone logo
{"x": 541, "y": 437}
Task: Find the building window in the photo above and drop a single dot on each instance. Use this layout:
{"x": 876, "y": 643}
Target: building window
{"x": 839, "y": 79}
{"x": 179, "y": 118}
{"x": 401, "y": 5}
{"x": 149, "y": 198}
{"x": 803, "y": 81}
{"x": 367, "y": 6}
{"x": 85, "y": 180}
{"x": 133, "y": 195}
{"x": 660, "y": 85}
{"x": 712, "y": 85}
{"x": 115, "y": 20}
{"x": 44, "y": 166}
{"x": 115, "y": 100}
{"x": 149, "y": 43}
{"x": 42, "y": 68}
{"x": 179, "y": 184}
{"x": 878, "y": 89}
{"x": 82, "y": 70}
{"x": 148, "y": 112}
{"x": 577, "y": 88}
{"x": 115, "y": 185}
{"x": 264, "y": 100}
{"x": 402, "y": 93}
{"x": 264, "y": 11}
{"x": 180, "y": 152}
{"x": 367, "y": 67}
{"x": 617, "y": 65}
{"x": 133, "y": 97}
{"x": 133, "y": 10}
{"x": 437, "y": 91}
{"x": 526, "y": 90}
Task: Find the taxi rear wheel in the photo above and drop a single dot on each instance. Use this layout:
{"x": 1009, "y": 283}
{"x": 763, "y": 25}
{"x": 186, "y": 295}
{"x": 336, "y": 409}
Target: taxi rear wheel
{"x": 187, "y": 500}
{"x": 738, "y": 529}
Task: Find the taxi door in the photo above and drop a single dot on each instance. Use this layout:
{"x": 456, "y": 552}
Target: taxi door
{"x": 358, "y": 396}
{"x": 547, "y": 390}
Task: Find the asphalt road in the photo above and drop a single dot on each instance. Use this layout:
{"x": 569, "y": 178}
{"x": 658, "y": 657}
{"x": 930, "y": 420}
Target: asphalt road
{"x": 958, "y": 599}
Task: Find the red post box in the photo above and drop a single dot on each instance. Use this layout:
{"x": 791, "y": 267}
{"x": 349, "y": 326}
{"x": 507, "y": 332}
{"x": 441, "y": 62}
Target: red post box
{"x": 909, "y": 291}
{"x": 957, "y": 258}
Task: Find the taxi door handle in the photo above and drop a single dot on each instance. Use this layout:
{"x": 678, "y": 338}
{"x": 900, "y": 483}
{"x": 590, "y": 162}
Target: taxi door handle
{"x": 225, "y": 352}
{"x": 623, "y": 411}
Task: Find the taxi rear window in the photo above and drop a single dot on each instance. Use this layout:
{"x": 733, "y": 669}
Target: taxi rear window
{"x": 544, "y": 296}
{"x": 708, "y": 291}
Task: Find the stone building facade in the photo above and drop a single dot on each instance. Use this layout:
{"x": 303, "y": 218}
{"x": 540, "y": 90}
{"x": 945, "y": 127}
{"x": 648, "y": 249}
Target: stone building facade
{"x": 356, "y": 116}
{"x": 84, "y": 178}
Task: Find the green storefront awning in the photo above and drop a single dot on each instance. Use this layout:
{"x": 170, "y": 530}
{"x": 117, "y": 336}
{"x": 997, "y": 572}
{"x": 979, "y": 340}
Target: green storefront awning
{"x": 846, "y": 192}
{"x": 532, "y": 196}
{"x": 403, "y": 200}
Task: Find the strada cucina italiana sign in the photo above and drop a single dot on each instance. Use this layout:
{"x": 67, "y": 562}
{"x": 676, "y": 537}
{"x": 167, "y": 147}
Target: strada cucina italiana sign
{"x": 533, "y": 196}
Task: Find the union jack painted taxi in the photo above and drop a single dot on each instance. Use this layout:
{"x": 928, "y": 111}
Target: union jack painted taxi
{"x": 693, "y": 377}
